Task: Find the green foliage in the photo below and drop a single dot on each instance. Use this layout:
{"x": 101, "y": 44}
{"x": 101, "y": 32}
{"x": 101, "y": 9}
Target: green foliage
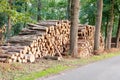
{"x": 54, "y": 9}
{"x": 88, "y": 12}
{"x": 3, "y": 19}
{"x": 17, "y": 28}
{"x": 16, "y": 11}
{"x": 52, "y": 70}
{"x": 15, "y": 15}
{"x": 25, "y": 11}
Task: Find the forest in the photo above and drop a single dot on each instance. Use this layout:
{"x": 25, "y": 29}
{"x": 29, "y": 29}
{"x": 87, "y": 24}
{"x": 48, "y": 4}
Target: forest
{"x": 53, "y": 29}
{"x": 25, "y": 11}
{"x": 16, "y": 14}
{"x": 22, "y": 12}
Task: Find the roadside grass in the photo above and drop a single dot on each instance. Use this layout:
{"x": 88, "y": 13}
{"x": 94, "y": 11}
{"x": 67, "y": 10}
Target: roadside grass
{"x": 52, "y": 70}
{"x": 65, "y": 65}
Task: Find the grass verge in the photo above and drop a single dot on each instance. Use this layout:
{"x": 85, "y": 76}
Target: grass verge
{"x": 66, "y": 64}
{"x": 52, "y": 70}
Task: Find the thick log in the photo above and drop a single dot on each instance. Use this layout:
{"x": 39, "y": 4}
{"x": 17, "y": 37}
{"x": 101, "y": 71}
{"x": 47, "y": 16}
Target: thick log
{"x": 48, "y": 23}
{"x": 5, "y": 56}
{"x": 37, "y": 27}
{"x": 23, "y": 38}
{"x": 26, "y": 31}
{"x": 3, "y": 59}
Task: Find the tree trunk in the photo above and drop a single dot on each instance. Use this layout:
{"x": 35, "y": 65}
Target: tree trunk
{"x": 9, "y": 21}
{"x": 110, "y": 26}
{"x": 118, "y": 34}
{"x": 98, "y": 24}
{"x": 69, "y": 9}
{"x": 106, "y": 27}
{"x": 39, "y": 10}
{"x": 9, "y": 26}
{"x": 74, "y": 27}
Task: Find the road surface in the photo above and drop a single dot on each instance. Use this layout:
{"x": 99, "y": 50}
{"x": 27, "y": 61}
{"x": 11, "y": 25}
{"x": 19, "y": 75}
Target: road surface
{"x": 108, "y": 69}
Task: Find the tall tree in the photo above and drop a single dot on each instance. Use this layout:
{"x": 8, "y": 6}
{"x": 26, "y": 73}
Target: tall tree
{"x": 9, "y": 20}
{"x": 105, "y": 31}
{"x": 68, "y": 9}
{"x": 118, "y": 29}
{"x": 118, "y": 34}
{"x": 39, "y": 10}
{"x": 98, "y": 24}
{"x": 74, "y": 27}
{"x": 110, "y": 26}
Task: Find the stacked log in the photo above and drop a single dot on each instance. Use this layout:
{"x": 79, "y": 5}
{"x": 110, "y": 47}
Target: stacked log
{"x": 46, "y": 38}
{"x": 84, "y": 49}
{"x": 86, "y": 40}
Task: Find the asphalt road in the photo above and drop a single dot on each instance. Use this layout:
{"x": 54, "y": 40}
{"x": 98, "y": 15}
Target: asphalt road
{"x": 108, "y": 69}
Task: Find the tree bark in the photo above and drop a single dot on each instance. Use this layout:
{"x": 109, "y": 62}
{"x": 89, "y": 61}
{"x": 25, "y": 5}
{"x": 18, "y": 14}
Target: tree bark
{"x": 106, "y": 29}
{"x": 118, "y": 34}
{"x": 110, "y": 26}
{"x": 9, "y": 26}
{"x": 9, "y": 21}
{"x": 39, "y": 10}
{"x": 74, "y": 27}
{"x": 98, "y": 24}
{"x": 69, "y": 9}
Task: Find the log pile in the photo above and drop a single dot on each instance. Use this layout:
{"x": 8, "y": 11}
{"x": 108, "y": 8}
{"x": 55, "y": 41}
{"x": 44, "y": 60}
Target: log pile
{"x": 47, "y": 39}
{"x": 86, "y": 40}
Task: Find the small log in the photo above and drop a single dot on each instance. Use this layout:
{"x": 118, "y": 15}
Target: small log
{"x": 37, "y": 27}
{"x": 9, "y": 55}
{"x": 30, "y": 57}
{"x": 9, "y": 60}
{"x": 3, "y": 59}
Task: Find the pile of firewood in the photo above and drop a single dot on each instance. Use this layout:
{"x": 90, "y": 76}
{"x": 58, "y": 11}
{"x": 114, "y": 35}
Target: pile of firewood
{"x": 86, "y": 40}
{"x": 46, "y": 38}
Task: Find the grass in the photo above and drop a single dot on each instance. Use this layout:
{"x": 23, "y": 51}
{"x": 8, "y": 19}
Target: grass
{"x": 52, "y": 70}
{"x": 59, "y": 68}
{"x": 41, "y": 68}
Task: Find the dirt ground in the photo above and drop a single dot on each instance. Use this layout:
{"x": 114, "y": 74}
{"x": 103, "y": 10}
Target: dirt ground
{"x": 14, "y": 70}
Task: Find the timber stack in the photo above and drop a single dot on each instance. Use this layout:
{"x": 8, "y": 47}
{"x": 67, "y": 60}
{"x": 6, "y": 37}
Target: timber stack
{"x": 47, "y": 39}
{"x": 86, "y": 40}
